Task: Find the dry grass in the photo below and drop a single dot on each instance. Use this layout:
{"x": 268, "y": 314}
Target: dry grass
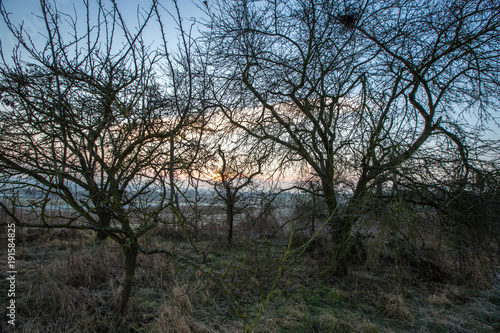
{"x": 439, "y": 300}
{"x": 67, "y": 282}
{"x": 394, "y": 306}
{"x": 177, "y": 313}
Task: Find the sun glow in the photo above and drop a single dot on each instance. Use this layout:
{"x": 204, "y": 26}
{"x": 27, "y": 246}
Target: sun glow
{"x": 216, "y": 176}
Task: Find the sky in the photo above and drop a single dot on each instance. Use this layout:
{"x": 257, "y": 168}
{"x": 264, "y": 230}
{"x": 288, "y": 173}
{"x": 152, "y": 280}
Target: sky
{"x": 29, "y": 12}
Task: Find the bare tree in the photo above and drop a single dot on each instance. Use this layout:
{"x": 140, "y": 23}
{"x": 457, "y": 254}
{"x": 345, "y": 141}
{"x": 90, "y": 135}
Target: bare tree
{"x": 360, "y": 92}
{"x": 85, "y": 121}
{"x": 308, "y": 207}
{"x": 233, "y": 171}
{"x": 441, "y": 62}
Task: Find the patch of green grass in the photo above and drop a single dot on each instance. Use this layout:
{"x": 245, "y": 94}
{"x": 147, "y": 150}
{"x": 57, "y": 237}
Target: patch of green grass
{"x": 495, "y": 298}
{"x": 438, "y": 327}
{"x": 337, "y": 296}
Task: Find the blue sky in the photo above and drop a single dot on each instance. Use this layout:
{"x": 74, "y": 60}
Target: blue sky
{"x": 26, "y": 11}
{"x": 29, "y": 12}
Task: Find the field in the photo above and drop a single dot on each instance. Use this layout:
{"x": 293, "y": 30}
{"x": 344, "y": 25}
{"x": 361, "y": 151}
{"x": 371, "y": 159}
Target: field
{"x": 69, "y": 282}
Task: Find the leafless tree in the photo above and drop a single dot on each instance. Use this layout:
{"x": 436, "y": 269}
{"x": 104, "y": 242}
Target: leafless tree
{"x": 233, "y": 174}
{"x": 363, "y": 91}
{"x": 86, "y": 121}
{"x": 308, "y": 206}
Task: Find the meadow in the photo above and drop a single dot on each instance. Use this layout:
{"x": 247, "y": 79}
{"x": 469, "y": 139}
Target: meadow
{"x": 70, "y": 282}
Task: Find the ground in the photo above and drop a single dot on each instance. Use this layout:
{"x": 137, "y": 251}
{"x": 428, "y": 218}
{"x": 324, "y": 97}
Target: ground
{"x": 69, "y": 282}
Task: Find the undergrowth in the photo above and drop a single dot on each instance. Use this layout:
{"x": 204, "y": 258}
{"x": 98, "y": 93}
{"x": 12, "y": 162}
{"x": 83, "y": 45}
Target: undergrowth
{"x": 69, "y": 282}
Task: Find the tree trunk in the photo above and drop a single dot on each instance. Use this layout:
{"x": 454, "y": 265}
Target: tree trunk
{"x": 313, "y": 216}
{"x": 104, "y": 221}
{"x": 341, "y": 244}
{"x": 229, "y": 218}
{"x": 340, "y": 231}
{"x": 130, "y": 265}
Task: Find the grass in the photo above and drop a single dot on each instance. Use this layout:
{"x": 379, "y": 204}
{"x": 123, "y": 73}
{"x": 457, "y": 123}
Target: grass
{"x": 68, "y": 282}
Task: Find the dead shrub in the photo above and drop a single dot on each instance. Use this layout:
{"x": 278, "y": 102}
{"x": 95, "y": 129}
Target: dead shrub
{"x": 470, "y": 224}
{"x": 394, "y": 306}
{"x": 30, "y": 235}
{"x": 425, "y": 264}
{"x": 177, "y": 314}
{"x": 302, "y": 240}
{"x": 169, "y": 231}
{"x": 259, "y": 221}
{"x": 180, "y": 298}
{"x": 89, "y": 269}
{"x": 214, "y": 231}
{"x": 171, "y": 320}
{"x": 439, "y": 300}
{"x": 62, "y": 307}
{"x": 457, "y": 243}
{"x": 65, "y": 234}
{"x": 155, "y": 271}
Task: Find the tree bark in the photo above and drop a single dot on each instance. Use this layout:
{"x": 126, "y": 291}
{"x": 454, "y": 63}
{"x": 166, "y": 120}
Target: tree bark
{"x": 104, "y": 221}
{"x": 340, "y": 230}
{"x": 341, "y": 244}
